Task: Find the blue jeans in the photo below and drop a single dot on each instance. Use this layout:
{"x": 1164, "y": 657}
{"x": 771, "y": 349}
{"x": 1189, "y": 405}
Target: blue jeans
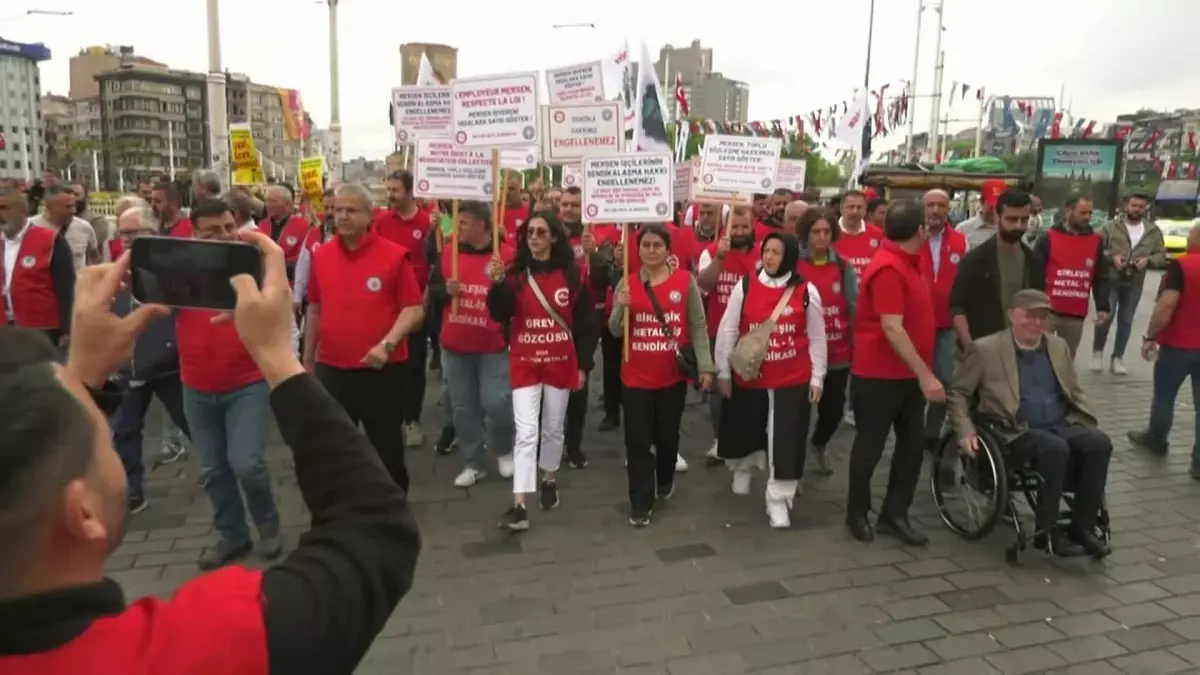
{"x": 229, "y": 437}
{"x": 1123, "y": 300}
{"x": 1170, "y": 370}
{"x": 130, "y": 420}
{"x": 945, "y": 356}
{"x": 479, "y": 386}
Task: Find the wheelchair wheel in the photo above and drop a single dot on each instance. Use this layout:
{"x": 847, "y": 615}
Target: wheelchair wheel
{"x": 970, "y": 493}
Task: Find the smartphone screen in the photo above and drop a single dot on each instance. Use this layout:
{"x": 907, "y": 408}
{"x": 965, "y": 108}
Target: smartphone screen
{"x": 190, "y": 273}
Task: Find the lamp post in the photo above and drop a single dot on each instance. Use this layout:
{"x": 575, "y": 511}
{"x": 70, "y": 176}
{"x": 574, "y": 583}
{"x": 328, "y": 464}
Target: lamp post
{"x": 912, "y": 116}
{"x": 218, "y": 120}
{"x": 335, "y": 114}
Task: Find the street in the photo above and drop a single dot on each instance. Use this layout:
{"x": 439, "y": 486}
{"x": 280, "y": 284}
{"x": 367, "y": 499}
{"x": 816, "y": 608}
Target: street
{"x": 709, "y": 588}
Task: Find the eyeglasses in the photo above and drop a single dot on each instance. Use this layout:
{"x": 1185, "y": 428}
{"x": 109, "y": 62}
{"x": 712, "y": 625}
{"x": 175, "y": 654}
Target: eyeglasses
{"x": 134, "y": 234}
{"x": 538, "y": 232}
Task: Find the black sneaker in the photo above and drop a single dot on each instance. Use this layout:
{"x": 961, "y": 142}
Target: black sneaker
{"x": 223, "y": 554}
{"x": 515, "y": 519}
{"x": 137, "y": 505}
{"x": 1145, "y": 441}
{"x": 549, "y": 499}
{"x": 639, "y": 519}
{"x": 665, "y": 492}
{"x": 610, "y": 423}
{"x": 446, "y": 442}
{"x": 576, "y": 459}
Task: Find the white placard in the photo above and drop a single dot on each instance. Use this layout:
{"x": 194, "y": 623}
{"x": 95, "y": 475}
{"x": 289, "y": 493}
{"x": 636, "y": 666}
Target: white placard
{"x": 581, "y": 83}
{"x": 420, "y": 112}
{"x": 632, "y": 188}
{"x": 572, "y": 176}
{"x": 520, "y": 158}
{"x": 739, "y": 164}
{"x": 495, "y": 110}
{"x": 445, "y": 171}
{"x": 701, "y": 193}
{"x": 791, "y": 174}
{"x": 573, "y": 132}
{"x": 683, "y": 178}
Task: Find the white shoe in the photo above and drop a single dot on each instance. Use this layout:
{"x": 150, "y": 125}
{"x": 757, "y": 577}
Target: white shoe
{"x": 1118, "y": 367}
{"x": 681, "y": 465}
{"x": 505, "y": 465}
{"x": 1097, "y": 363}
{"x": 741, "y": 482}
{"x": 778, "y": 515}
{"x": 414, "y": 437}
{"x": 469, "y": 477}
{"x": 712, "y": 452}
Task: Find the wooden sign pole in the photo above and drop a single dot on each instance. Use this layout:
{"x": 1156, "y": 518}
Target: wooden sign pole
{"x": 453, "y": 251}
{"x": 497, "y": 190}
{"x": 625, "y": 311}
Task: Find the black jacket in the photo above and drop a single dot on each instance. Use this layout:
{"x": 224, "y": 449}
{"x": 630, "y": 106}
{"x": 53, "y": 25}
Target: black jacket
{"x": 976, "y": 291}
{"x": 1100, "y": 280}
{"x": 155, "y": 352}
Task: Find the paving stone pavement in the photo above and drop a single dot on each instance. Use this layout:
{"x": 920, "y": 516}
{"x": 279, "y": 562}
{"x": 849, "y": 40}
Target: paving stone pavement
{"x": 710, "y": 589}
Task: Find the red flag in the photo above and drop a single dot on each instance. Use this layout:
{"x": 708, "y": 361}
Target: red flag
{"x": 1056, "y": 126}
{"x": 680, "y": 96}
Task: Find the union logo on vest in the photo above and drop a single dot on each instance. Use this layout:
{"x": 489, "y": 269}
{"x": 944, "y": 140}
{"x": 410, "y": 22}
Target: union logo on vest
{"x": 561, "y": 297}
{"x": 28, "y": 261}
{"x": 374, "y": 284}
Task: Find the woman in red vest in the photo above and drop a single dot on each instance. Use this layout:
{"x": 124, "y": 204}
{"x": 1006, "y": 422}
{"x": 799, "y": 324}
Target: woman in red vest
{"x": 764, "y": 420}
{"x": 836, "y": 282}
{"x": 553, "y": 334}
{"x": 666, "y": 320}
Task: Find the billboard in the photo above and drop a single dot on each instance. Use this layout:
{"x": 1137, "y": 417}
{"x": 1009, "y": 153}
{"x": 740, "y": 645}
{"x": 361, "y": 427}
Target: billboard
{"x": 1080, "y": 167}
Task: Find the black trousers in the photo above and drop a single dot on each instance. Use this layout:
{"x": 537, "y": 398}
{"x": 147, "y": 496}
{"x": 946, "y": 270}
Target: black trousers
{"x": 652, "y": 418}
{"x": 1067, "y": 456}
{"x": 879, "y": 406}
{"x": 413, "y": 401}
{"x": 577, "y": 405}
{"x": 611, "y": 352}
{"x": 434, "y": 320}
{"x": 368, "y": 397}
{"x": 832, "y": 406}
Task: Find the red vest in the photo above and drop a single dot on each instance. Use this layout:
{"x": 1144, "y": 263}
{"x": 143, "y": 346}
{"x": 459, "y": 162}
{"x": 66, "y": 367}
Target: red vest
{"x": 787, "y": 363}
{"x": 737, "y": 264}
{"x": 542, "y": 352}
{"x": 291, "y": 237}
{"x": 827, "y": 279}
{"x": 873, "y": 354}
{"x": 116, "y": 246}
{"x": 212, "y": 358}
{"x": 182, "y": 229}
{"x": 34, "y": 302}
{"x": 1070, "y": 270}
{"x": 683, "y": 244}
{"x": 953, "y": 248}
{"x": 652, "y": 363}
{"x": 1183, "y": 331}
{"x": 858, "y": 249}
{"x": 313, "y": 240}
{"x": 470, "y": 329}
{"x": 213, "y": 624}
{"x": 635, "y": 264}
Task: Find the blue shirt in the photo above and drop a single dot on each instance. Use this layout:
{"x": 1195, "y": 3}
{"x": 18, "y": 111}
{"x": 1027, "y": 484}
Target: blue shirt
{"x": 1042, "y": 405}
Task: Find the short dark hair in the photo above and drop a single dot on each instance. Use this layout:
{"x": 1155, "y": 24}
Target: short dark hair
{"x": 572, "y": 190}
{"x": 657, "y": 229}
{"x": 904, "y": 219}
{"x": 1013, "y": 198}
{"x": 240, "y": 203}
{"x": 169, "y": 189}
{"x": 476, "y": 209}
{"x": 404, "y": 176}
{"x": 1138, "y": 194}
{"x": 759, "y": 196}
{"x": 1073, "y": 200}
{"x": 58, "y": 189}
{"x": 811, "y": 217}
{"x": 46, "y": 435}
{"x": 809, "y": 197}
{"x": 208, "y": 208}
{"x": 875, "y": 203}
{"x": 851, "y": 193}
{"x": 783, "y": 192}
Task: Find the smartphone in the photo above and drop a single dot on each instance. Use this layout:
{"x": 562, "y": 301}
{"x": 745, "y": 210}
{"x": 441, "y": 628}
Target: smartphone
{"x": 190, "y": 273}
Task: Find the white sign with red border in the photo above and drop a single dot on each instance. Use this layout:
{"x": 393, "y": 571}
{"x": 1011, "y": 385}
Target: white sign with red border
{"x": 572, "y": 176}
{"x": 444, "y": 170}
{"x": 495, "y": 110}
{"x": 573, "y": 132}
{"x": 700, "y": 192}
{"x": 631, "y": 188}
{"x": 740, "y": 164}
{"x": 791, "y": 174}
{"x": 520, "y": 158}
{"x": 421, "y": 112}
{"x": 580, "y": 83}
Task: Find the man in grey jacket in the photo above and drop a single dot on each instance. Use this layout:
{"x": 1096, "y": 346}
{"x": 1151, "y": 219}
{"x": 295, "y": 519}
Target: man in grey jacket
{"x": 1132, "y": 244}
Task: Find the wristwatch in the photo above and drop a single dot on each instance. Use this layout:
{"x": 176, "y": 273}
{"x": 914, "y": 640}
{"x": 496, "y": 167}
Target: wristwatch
{"x": 1147, "y": 338}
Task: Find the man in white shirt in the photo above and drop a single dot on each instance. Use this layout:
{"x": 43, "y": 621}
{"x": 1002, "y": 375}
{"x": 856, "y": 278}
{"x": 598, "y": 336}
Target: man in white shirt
{"x": 59, "y": 215}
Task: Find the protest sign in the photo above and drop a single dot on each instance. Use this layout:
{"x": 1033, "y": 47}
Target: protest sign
{"x": 791, "y": 174}
{"x": 520, "y": 158}
{"x": 312, "y": 181}
{"x": 446, "y": 171}
{"x": 247, "y": 169}
{"x": 740, "y": 164}
{"x": 700, "y": 192}
{"x": 573, "y": 132}
{"x": 421, "y": 111}
{"x": 633, "y": 188}
{"x": 495, "y": 110}
{"x": 582, "y": 83}
{"x": 572, "y": 176}
{"x": 683, "y": 178}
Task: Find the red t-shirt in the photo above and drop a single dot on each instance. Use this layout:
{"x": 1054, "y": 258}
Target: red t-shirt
{"x": 360, "y": 292}
{"x": 892, "y": 284}
{"x": 410, "y": 233}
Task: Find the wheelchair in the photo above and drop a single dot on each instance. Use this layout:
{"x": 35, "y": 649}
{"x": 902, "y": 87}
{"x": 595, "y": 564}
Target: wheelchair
{"x": 997, "y": 476}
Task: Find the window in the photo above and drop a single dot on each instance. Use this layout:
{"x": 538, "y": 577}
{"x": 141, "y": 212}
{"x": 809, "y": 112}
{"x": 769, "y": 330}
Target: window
{"x": 16, "y": 163}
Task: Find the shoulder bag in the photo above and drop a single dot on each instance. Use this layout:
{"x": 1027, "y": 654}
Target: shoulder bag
{"x": 685, "y": 355}
{"x": 541, "y": 298}
{"x": 751, "y": 348}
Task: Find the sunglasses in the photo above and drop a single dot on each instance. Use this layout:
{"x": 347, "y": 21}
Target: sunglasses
{"x": 538, "y": 232}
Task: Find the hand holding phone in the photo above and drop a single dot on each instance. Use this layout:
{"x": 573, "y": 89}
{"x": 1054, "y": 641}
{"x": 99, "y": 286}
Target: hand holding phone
{"x": 191, "y": 273}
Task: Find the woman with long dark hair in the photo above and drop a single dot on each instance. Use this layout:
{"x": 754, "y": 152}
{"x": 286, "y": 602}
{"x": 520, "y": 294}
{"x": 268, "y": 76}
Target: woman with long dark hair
{"x": 770, "y": 407}
{"x": 836, "y": 282}
{"x": 553, "y": 334}
{"x": 666, "y": 328}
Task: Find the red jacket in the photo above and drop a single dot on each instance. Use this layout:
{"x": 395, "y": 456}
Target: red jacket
{"x": 952, "y": 249}
{"x": 291, "y": 237}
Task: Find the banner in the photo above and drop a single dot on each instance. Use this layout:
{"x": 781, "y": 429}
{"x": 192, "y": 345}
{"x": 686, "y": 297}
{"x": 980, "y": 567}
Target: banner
{"x": 293, "y": 115}
{"x": 312, "y": 182}
{"x": 247, "y": 170}
{"x": 1079, "y": 167}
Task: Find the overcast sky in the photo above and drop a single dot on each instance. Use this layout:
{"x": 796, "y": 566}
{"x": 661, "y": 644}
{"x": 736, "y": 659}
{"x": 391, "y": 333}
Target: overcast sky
{"x": 1112, "y": 55}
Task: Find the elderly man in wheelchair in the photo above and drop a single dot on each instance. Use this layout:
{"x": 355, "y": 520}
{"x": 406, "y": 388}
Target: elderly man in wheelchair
{"x": 1019, "y": 417}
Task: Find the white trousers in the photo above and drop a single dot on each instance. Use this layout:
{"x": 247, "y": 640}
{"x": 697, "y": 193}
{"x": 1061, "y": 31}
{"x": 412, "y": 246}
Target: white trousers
{"x": 537, "y": 410}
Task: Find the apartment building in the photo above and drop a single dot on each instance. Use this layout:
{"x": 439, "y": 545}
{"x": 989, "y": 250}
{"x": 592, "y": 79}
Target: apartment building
{"x": 22, "y": 142}
{"x": 710, "y": 94}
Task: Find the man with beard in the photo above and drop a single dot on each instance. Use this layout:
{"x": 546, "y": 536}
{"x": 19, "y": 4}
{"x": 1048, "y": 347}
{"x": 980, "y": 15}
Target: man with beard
{"x": 776, "y": 204}
{"x": 990, "y": 274}
{"x": 98, "y": 223}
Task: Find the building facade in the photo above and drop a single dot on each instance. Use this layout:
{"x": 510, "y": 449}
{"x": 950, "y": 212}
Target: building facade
{"x": 22, "y": 138}
{"x": 443, "y": 58}
{"x": 710, "y": 94}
